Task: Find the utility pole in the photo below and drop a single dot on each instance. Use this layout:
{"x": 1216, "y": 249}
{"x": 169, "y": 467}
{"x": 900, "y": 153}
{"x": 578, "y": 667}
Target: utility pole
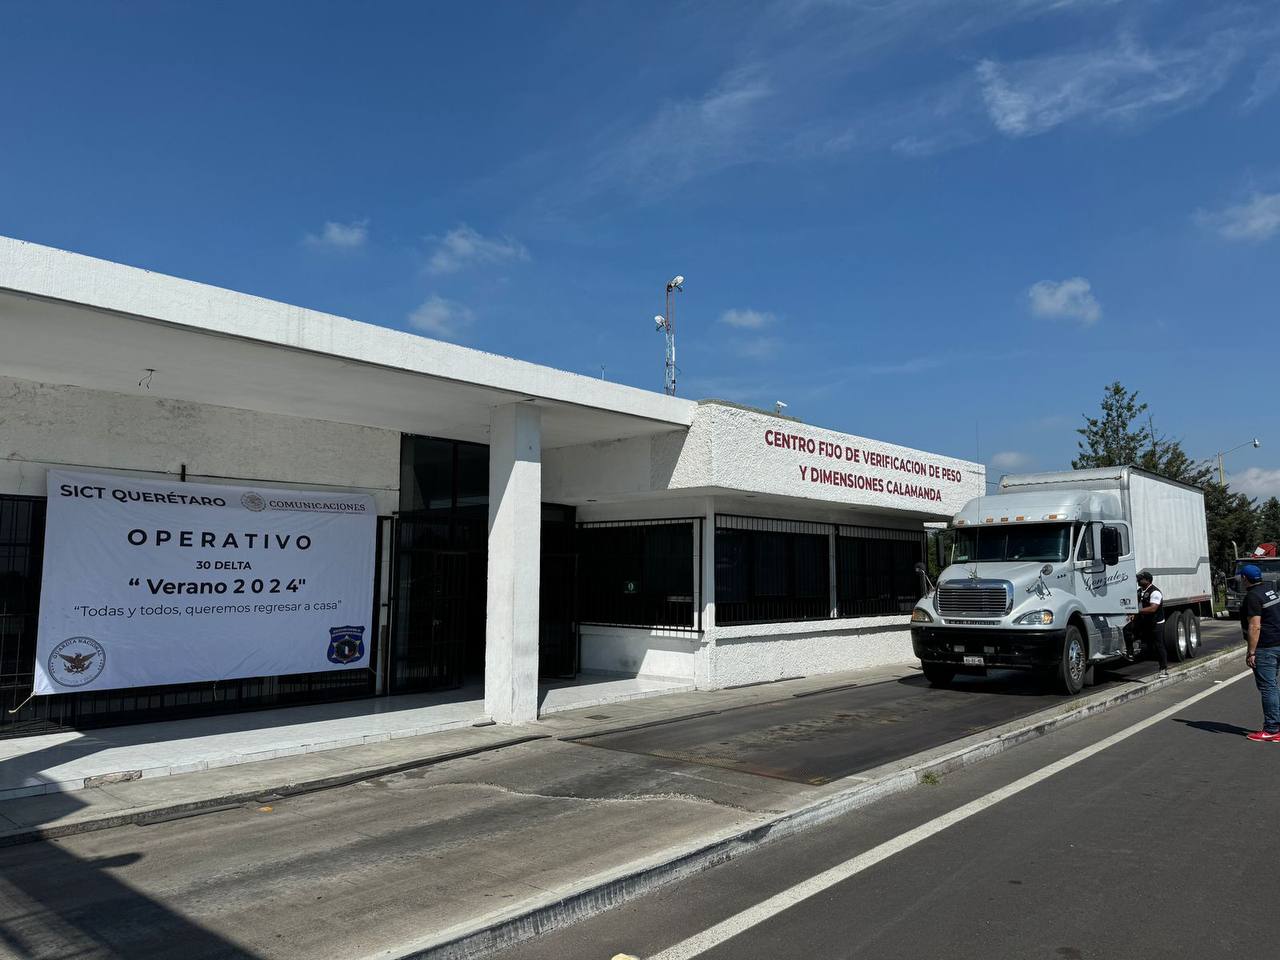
{"x": 1222, "y": 476}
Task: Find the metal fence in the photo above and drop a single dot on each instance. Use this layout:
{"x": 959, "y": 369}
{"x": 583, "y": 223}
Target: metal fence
{"x": 641, "y": 573}
{"x": 771, "y": 571}
{"x": 876, "y": 570}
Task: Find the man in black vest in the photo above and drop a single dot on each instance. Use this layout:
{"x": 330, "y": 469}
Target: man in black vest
{"x": 1260, "y": 621}
{"x": 1149, "y": 623}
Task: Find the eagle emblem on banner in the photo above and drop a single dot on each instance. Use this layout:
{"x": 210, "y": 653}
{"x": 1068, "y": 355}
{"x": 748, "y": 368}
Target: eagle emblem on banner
{"x": 346, "y": 644}
{"x": 76, "y": 662}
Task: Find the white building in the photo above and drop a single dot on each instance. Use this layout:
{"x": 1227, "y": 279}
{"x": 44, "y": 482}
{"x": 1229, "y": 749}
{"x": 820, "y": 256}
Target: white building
{"x": 532, "y": 522}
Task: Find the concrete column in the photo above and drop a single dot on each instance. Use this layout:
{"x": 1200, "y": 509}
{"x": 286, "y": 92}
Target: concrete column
{"x": 709, "y": 565}
{"x": 705, "y": 668}
{"x": 515, "y": 560}
{"x": 833, "y": 590}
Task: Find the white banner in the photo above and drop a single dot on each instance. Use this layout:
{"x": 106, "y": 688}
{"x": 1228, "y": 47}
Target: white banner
{"x": 149, "y": 582}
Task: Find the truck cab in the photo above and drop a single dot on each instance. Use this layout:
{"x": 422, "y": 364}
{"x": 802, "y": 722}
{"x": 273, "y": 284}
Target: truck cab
{"x": 1043, "y": 580}
{"x": 1270, "y": 567}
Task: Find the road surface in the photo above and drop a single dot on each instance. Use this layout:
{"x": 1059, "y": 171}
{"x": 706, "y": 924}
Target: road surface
{"x": 1159, "y": 845}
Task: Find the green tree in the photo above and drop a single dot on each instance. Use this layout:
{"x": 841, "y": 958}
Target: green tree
{"x": 1269, "y": 521}
{"x": 1118, "y": 437}
{"x": 1232, "y": 519}
{"x": 1123, "y": 437}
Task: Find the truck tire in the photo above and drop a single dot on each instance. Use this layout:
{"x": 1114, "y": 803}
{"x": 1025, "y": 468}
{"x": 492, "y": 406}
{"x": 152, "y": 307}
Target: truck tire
{"x": 1175, "y": 637}
{"x": 1074, "y": 663}
{"x": 1193, "y": 633}
{"x": 938, "y": 674}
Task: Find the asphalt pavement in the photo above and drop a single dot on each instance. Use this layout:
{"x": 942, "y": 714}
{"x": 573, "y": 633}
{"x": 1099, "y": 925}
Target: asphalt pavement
{"x": 823, "y": 736}
{"x": 1159, "y": 846}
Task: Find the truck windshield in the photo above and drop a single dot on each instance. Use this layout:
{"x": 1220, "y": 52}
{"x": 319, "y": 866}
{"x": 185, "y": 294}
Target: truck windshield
{"x": 1039, "y": 542}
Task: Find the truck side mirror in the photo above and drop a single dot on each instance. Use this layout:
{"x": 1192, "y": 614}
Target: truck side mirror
{"x": 1110, "y": 546}
{"x": 922, "y": 574}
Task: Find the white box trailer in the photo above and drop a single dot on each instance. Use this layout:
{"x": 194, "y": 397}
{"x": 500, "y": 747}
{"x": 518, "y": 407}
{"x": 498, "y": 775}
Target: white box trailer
{"x": 1043, "y": 574}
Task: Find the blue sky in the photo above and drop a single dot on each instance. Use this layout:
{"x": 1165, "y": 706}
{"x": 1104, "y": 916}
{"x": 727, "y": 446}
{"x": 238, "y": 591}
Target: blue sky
{"x": 944, "y": 223}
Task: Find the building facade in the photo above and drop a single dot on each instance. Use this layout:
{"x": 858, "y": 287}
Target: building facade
{"x": 533, "y": 524}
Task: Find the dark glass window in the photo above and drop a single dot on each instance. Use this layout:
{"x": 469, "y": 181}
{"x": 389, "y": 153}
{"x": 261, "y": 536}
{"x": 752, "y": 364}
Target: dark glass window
{"x": 444, "y": 490}
{"x": 771, "y": 570}
{"x": 640, "y": 574}
{"x": 875, "y": 571}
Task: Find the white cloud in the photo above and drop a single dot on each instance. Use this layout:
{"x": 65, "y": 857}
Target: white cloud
{"x": 441, "y": 317}
{"x": 758, "y": 348}
{"x": 341, "y": 236}
{"x": 1256, "y": 219}
{"x": 1071, "y": 299}
{"x": 1010, "y": 460}
{"x": 1256, "y": 482}
{"x": 918, "y": 364}
{"x": 693, "y": 137}
{"x": 464, "y": 247}
{"x": 747, "y": 319}
{"x": 1266, "y": 82}
{"x": 1120, "y": 83}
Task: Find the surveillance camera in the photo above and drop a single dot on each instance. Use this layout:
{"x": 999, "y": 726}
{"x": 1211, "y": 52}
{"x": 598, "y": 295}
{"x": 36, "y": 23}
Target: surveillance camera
{"x": 1257, "y": 443}
{"x": 780, "y": 405}
{"x": 659, "y": 322}
{"x": 677, "y": 283}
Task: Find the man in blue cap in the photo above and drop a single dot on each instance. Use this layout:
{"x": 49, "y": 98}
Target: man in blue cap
{"x": 1260, "y": 621}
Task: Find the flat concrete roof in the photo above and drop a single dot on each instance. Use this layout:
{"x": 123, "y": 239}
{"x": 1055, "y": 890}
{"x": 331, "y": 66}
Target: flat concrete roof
{"x": 71, "y": 319}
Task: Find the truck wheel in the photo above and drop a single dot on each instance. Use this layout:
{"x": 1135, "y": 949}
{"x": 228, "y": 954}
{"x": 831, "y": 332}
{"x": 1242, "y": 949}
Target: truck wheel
{"x": 1175, "y": 637}
{"x": 1074, "y": 663}
{"x": 1193, "y": 633}
{"x": 939, "y": 674}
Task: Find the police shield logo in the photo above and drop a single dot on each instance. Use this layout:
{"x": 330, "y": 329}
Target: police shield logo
{"x": 346, "y": 644}
{"x": 76, "y": 662}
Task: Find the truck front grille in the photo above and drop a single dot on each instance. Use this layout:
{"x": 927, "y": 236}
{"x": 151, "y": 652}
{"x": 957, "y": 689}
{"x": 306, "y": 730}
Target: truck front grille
{"x": 984, "y": 597}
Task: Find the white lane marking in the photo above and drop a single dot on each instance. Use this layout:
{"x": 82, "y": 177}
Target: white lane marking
{"x": 699, "y": 943}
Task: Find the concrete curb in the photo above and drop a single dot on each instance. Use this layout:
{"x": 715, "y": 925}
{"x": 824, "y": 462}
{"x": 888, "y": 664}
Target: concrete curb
{"x": 604, "y": 891}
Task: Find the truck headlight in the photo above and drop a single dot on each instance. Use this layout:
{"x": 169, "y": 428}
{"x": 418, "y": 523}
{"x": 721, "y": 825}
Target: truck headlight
{"x": 921, "y": 615}
{"x": 1041, "y": 618}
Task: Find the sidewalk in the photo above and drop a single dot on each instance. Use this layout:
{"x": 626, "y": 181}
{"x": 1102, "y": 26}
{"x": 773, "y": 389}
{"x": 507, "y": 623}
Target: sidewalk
{"x": 75, "y": 760}
{"x": 61, "y": 783}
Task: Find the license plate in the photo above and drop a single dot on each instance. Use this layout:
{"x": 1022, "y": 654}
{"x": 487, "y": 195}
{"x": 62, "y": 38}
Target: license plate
{"x": 974, "y": 662}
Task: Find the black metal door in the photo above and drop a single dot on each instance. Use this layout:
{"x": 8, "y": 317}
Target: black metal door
{"x": 435, "y": 626}
{"x": 21, "y": 557}
{"x": 558, "y": 635}
{"x": 449, "y": 617}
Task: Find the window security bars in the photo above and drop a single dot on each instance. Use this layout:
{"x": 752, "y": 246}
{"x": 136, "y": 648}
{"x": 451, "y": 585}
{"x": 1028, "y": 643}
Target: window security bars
{"x": 641, "y": 573}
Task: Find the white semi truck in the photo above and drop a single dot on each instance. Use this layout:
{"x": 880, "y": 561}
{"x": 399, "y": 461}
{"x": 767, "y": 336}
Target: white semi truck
{"x": 1043, "y": 575}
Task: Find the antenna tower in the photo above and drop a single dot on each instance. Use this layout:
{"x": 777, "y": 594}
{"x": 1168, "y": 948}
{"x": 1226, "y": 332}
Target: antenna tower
{"x": 667, "y": 324}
